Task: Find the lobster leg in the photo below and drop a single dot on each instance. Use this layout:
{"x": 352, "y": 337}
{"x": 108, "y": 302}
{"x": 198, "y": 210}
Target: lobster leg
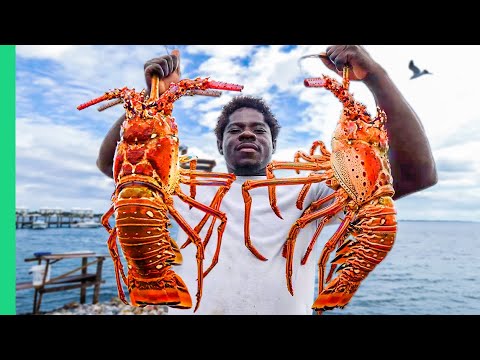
{"x": 289, "y": 247}
{"x": 200, "y": 253}
{"x": 313, "y": 207}
{"x": 328, "y": 248}
{"x": 220, "y": 229}
{"x": 106, "y": 217}
{"x": 113, "y": 249}
{"x": 252, "y": 184}
{"x": 312, "y": 158}
{"x": 323, "y": 161}
{"x": 306, "y": 188}
{"x": 276, "y": 165}
{"x": 215, "y": 204}
{"x": 193, "y": 166}
{"x": 225, "y": 186}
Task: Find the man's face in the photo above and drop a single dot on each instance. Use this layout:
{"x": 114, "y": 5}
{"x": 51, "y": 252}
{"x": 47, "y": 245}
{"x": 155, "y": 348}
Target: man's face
{"x": 247, "y": 143}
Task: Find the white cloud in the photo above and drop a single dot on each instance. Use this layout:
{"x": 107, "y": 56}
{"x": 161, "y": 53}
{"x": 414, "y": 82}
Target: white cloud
{"x": 57, "y": 145}
{"x": 53, "y": 52}
{"x": 222, "y": 51}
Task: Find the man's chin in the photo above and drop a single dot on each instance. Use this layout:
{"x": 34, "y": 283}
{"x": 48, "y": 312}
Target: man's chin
{"x": 248, "y": 168}
{"x": 248, "y": 163}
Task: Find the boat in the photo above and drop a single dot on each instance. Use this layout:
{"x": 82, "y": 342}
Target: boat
{"x": 86, "y": 224}
{"x": 39, "y": 224}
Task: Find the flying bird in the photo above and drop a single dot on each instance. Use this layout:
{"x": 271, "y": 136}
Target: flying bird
{"x": 416, "y": 71}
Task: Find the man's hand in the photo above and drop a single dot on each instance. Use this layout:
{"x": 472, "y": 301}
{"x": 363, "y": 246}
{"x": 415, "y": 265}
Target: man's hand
{"x": 362, "y": 65}
{"x": 167, "y": 67}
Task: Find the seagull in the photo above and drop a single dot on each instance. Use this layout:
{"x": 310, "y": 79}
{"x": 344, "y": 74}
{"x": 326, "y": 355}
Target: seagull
{"x": 416, "y": 70}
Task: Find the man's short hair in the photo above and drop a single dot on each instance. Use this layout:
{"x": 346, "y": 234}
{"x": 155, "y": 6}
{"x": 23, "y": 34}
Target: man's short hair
{"x": 251, "y": 102}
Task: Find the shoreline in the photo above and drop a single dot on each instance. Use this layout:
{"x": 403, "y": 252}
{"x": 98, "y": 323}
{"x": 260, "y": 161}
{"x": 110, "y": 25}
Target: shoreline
{"x": 113, "y": 307}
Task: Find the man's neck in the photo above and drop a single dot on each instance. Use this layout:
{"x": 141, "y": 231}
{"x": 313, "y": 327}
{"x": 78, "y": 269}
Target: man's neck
{"x": 248, "y": 172}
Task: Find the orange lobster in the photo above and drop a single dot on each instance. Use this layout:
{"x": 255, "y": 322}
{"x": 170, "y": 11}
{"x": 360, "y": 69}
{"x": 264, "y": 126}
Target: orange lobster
{"x": 358, "y": 170}
{"x": 147, "y": 174}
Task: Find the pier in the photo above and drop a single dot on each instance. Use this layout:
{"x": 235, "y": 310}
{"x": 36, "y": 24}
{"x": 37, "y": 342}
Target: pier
{"x": 54, "y": 217}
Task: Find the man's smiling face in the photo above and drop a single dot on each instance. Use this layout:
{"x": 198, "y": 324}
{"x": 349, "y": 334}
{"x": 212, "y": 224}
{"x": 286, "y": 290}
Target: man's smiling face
{"x": 247, "y": 143}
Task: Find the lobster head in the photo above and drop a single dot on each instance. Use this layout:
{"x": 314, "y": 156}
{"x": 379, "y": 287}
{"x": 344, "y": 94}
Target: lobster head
{"x": 355, "y": 122}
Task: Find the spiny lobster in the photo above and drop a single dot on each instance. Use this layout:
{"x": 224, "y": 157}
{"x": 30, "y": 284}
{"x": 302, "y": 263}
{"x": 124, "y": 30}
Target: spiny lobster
{"x": 358, "y": 170}
{"x": 147, "y": 174}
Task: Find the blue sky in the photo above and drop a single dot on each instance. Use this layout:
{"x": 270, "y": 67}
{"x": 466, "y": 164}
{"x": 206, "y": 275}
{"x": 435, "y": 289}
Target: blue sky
{"x": 57, "y": 145}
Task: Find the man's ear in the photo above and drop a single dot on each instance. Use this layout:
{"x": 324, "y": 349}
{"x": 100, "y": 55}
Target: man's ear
{"x": 274, "y": 146}
{"x": 220, "y": 147}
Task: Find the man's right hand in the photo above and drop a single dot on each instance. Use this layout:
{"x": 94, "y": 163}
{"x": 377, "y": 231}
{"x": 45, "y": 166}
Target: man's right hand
{"x": 167, "y": 67}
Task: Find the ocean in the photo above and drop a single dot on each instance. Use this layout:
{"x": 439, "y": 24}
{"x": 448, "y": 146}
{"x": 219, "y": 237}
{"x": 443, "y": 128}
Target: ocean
{"x": 432, "y": 269}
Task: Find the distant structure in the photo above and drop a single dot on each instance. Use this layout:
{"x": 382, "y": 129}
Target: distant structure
{"x": 82, "y": 212}
{"x": 54, "y": 217}
{"x": 416, "y": 71}
{"x": 21, "y": 210}
{"x": 202, "y": 164}
{"x": 50, "y": 211}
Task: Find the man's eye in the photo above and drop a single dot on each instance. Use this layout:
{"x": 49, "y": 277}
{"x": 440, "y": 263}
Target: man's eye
{"x": 233, "y": 131}
{"x": 260, "y": 131}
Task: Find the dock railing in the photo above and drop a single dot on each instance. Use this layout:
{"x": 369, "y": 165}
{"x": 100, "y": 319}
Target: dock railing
{"x": 78, "y": 277}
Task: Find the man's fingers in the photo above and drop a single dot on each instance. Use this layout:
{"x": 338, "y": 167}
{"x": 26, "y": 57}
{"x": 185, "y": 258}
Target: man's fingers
{"x": 154, "y": 68}
{"x": 163, "y": 66}
{"x": 152, "y": 61}
{"x": 327, "y": 62}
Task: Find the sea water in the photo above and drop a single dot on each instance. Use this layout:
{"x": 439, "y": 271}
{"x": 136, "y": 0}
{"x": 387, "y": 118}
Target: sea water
{"x": 432, "y": 269}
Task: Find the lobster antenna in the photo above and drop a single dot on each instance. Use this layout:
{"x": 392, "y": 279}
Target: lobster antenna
{"x": 110, "y": 104}
{"x": 301, "y": 58}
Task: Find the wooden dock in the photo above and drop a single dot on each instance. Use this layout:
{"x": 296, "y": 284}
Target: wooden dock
{"x": 78, "y": 277}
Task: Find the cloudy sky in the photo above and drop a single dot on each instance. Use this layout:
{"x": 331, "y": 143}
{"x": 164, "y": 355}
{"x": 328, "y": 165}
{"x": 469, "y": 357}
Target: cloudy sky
{"x": 57, "y": 145}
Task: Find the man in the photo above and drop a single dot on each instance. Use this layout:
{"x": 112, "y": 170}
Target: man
{"x": 247, "y": 132}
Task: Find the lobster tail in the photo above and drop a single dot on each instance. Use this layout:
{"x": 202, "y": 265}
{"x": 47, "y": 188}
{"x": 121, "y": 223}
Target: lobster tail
{"x": 141, "y": 224}
{"x": 373, "y": 235}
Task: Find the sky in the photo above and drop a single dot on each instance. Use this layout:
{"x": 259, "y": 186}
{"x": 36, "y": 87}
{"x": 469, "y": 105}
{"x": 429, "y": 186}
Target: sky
{"x": 57, "y": 145}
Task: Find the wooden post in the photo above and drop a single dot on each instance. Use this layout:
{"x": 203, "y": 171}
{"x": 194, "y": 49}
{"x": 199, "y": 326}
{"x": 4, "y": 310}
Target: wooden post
{"x": 40, "y": 290}
{"x": 83, "y": 290}
{"x": 98, "y": 281}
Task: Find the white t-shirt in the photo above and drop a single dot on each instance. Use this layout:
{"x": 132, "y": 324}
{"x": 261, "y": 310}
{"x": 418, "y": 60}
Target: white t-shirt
{"x": 240, "y": 283}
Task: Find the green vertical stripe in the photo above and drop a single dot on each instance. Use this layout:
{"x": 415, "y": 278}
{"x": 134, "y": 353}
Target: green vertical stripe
{"x": 7, "y": 180}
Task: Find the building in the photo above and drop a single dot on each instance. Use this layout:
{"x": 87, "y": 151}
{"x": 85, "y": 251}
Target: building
{"x": 202, "y": 164}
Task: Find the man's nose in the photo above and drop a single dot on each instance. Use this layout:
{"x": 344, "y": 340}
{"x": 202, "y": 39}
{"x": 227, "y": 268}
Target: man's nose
{"x": 247, "y": 134}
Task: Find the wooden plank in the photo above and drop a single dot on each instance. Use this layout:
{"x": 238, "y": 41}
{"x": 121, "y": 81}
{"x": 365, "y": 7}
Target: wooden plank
{"x": 24, "y": 285}
{"x": 67, "y": 279}
{"x": 65, "y": 256}
{"x": 67, "y": 287}
{"x": 73, "y": 278}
